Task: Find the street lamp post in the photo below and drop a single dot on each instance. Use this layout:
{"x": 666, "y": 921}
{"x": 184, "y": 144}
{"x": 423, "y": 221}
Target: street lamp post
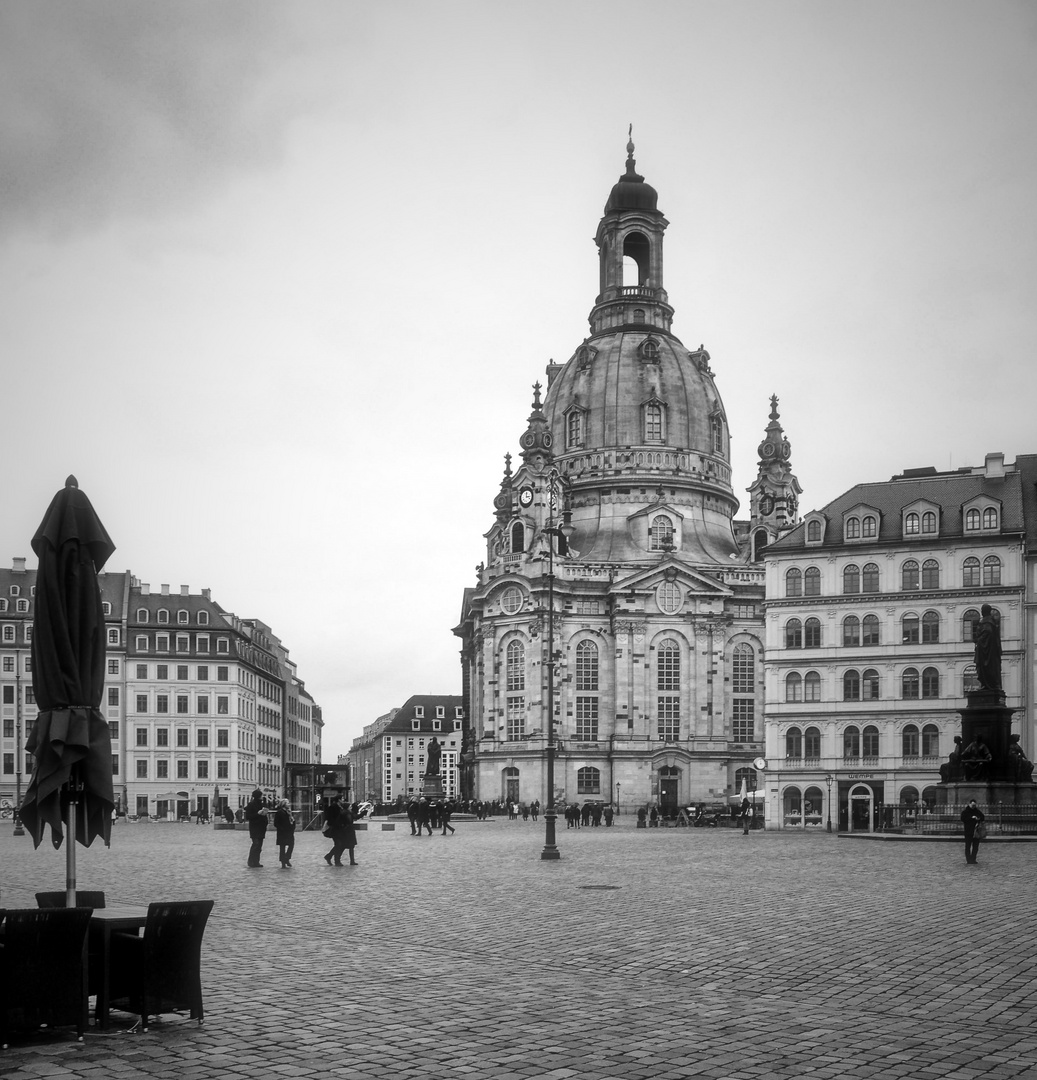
{"x": 828, "y": 780}
{"x": 617, "y": 797}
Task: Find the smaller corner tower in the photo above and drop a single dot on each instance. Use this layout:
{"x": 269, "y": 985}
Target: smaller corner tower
{"x": 774, "y": 494}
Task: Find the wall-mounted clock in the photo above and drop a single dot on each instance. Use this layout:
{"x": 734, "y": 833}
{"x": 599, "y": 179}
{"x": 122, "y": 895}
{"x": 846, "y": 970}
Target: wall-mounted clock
{"x": 526, "y": 496}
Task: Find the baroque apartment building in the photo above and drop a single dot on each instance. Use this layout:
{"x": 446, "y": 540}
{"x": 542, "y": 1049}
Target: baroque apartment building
{"x": 619, "y": 598}
{"x": 202, "y": 706}
{"x": 870, "y": 609}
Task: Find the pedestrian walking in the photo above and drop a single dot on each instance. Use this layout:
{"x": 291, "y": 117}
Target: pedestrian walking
{"x": 747, "y": 816}
{"x": 641, "y": 815}
{"x": 424, "y": 816}
{"x": 412, "y": 817}
{"x": 256, "y": 816}
{"x": 972, "y": 818}
{"x": 338, "y": 828}
{"x": 284, "y": 827}
{"x": 608, "y": 813}
{"x": 534, "y": 809}
{"x": 445, "y": 812}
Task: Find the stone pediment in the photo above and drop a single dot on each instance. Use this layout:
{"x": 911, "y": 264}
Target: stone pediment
{"x": 692, "y": 581}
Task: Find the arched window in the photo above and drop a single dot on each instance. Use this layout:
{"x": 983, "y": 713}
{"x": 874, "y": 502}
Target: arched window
{"x": 163, "y": 616}
{"x": 930, "y": 683}
{"x": 930, "y": 574}
{"x": 909, "y": 737}
{"x": 812, "y": 634}
{"x": 650, "y": 351}
{"x": 851, "y": 685}
{"x": 814, "y": 532}
{"x": 792, "y": 807}
{"x": 793, "y": 686}
{"x": 793, "y": 743}
{"x": 852, "y": 742}
{"x": 515, "y": 685}
{"x": 851, "y": 631}
{"x": 660, "y": 534}
{"x": 909, "y": 684}
{"x": 793, "y": 634}
{"x": 794, "y": 582}
{"x": 928, "y": 523}
{"x": 851, "y": 579}
{"x": 518, "y": 538}
{"x": 853, "y": 528}
{"x": 3, "y": 603}
{"x": 668, "y": 683}
{"x": 182, "y": 617}
{"x": 586, "y": 666}
{"x": 743, "y": 693}
{"x": 909, "y": 799}
{"x": 574, "y": 428}
{"x": 909, "y": 629}
{"x": 972, "y": 520}
{"x": 653, "y": 422}
{"x": 203, "y": 618}
{"x": 812, "y": 686}
{"x": 639, "y": 315}
{"x": 870, "y": 578}
{"x": 911, "y": 524}
{"x": 870, "y": 742}
{"x": 991, "y": 570}
{"x": 747, "y": 775}
{"x": 870, "y": 630}
{"x": 812, "y": 743}
{"x": 22, "y": 606}
{"x": 586, "y": 691}
{"x": 970, "y": 573}
{"x": 930, "y": 628}
{"x": 990, "y": 518}
{"x": 968, "y": 624}
{"x": 909, "y": 576}
{"x": 870, "y": 526}
{"x": 870, "y": 685}
{"x": 588, "y": 781}
{"x": 930, "y": 741}
{"x": 717, "y": 425}
{"x": 142, "y": 615}
{"x": 812, "y": 582}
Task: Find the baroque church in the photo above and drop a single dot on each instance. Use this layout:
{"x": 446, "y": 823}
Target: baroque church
{"x": 619, "y": 592}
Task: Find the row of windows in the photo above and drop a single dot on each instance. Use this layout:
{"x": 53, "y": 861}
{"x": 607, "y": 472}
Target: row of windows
{"x": 912, "y": 577}
{"x": 800, "y": 634}
{"x": 182, "y": 770}
{"x": 183, "y": 617}
{"x": 180, "y": 672}
{"x": 865, "y": 686}
{"x": 924, "y": 523}
{"x": 202, "y": 703}
{"x": 202, "y": 642}
{"x": 183, "y": 736}
{"x": 653, "y": 425}
{"x": 914, "y": 742}
{"x": 21, "y": 606}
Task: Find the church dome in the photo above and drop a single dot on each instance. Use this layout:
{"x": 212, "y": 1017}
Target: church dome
{"x": 632, "y": 193}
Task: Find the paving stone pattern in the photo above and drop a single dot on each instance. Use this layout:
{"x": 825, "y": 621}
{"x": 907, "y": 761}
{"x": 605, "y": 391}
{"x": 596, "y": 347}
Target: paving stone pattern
{"x": 712, "y": 955}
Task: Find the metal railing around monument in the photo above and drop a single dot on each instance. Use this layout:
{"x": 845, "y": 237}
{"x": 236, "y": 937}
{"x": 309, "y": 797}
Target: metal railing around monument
{"x": 1002, "y": 819}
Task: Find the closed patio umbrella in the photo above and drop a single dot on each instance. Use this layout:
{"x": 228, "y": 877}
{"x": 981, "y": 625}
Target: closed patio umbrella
{"x": 70, "y": 741}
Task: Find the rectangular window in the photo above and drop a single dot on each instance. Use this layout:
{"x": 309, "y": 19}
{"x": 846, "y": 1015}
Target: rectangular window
{"x": 142, "y": 703}
{"x": 222, "y": 674}
{"x": 8, "y": 694}
{"x": 113, "y": 696}
{"x": 183, "y": 643}
{"x": 142, "y": 770}
{"x": 669, "y": 717}
{"x": 162, "y": 671}
{"x": 8, "y": 663}
{"x": 223, "y": 705}
{"x": 203, "y": 736}
{"x": 587, "y": 719}
{"x": 161, "y": 703}
{"x": 181, "y": 703}
{"x": 181, "y": 672}
{"x": 743, "y": 723}
{"x": 516, "y": 718}
{"x": 203, "y": 672}
{"x": 162, "y": 643}
{"x": 162, "y": 736}
{"x": 203, "y": 770}
{"x": 8, "y": 764}
{"x": 9, "y": 727}
{"x": 142, "y": 671}
{"x": 203, "y": 705}
{"x": 222, "y": 770}
{"x": 142, "y": 736}
{"x": 201, "y": 643}
{"x": 113, "y": 667}
{"x": 30, "y": 696}
{"x": 181, "y": 770}
{"x": 142, "y": 642}
{"x": 222, "y": 645}
{"x": 223, "y": 736}
{"x": 162, "y": 769}
{"x": 182, "y": 736}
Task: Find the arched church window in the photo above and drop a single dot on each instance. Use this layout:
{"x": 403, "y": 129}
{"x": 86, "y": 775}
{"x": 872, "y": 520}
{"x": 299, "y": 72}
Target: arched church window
{"x": 515, "y": 685}
{"x": 639, "y": 315}
{"x": 668, "y": 683}
{"x": 574, "y": 429}
{"x": 660, "y": 534}
{"x": 518, "y": 538}
{"x": 653, "y": 422}
{"x": 588, "y": 781}
{"x": 669, "y": 597}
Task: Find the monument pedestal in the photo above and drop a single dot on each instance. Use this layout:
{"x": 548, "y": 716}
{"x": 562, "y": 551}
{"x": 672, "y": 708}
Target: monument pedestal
{"x": 432, "y": 788}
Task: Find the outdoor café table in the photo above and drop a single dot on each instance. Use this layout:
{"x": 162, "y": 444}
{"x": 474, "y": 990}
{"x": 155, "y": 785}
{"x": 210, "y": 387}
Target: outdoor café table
{"x": 105, "y": 922}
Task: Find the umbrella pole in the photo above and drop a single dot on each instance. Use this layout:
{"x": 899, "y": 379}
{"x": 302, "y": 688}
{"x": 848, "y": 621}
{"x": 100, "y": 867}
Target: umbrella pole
{"x": 70, "y": 841}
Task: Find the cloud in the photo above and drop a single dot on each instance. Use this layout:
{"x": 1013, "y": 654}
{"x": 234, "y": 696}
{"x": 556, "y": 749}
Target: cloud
{"x": 110, "y": 109}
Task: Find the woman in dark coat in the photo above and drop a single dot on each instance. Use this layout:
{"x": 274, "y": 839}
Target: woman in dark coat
{"x": 339, "y": 826}
{"x": 284, "y": 823}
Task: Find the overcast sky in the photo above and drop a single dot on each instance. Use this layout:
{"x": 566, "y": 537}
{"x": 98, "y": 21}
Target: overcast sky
{"x": 277, "y": 277}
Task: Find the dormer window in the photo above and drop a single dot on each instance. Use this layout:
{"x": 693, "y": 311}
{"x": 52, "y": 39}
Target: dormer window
{"x": 853, "y": 528}
{"x": 419, "y": 710}
{"x": 986, "y": 518}
{"x": 649, "y": 351}
{"x": 660, "y": 534}
{"x": 912, "y": 525}
{"x": 815, "y": 532}
{"x": 585, "y": 355}
{"x": 142, "y": 615}
{"x": 869, "y": 526}
{"x": 990, "y": 518}
{"x": 928, "y": 523}
{"x": 16, "y": 590}
{"x": 163, "y": 615}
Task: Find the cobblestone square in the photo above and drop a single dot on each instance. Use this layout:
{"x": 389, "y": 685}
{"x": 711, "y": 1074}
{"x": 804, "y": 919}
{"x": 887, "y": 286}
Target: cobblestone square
{"x": 658, "y": 953}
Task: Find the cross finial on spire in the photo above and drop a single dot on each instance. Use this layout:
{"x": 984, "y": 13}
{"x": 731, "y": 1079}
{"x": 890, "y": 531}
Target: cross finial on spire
{"x": 536, "y": 396}
{"x": 774, "y": 407}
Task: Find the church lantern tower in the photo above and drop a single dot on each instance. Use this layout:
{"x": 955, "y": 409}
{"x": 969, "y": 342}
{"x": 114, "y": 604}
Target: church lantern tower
{"x": 774, "y": 495}
{"x": 621, "y": 511}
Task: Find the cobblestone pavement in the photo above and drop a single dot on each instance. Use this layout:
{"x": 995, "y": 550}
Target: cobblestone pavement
{"x": 657, "y": 953}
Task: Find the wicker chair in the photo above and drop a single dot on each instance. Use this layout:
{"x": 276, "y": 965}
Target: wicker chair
{"x": 43, "y": 970}
{"x": 162, "y": 969}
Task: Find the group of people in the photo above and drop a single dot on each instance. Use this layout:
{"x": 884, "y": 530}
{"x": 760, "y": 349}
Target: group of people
{"x": 590, "y": 813}
{"x": 338, "y": 827}
{"x": 425, "y": 815}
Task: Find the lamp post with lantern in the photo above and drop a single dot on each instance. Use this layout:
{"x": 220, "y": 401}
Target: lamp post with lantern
{"x": 829, "y": 780}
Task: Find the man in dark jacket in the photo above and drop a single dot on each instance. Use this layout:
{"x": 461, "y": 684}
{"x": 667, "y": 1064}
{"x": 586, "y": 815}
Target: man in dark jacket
{"x": 256, "y": 816}
{"x": 971, "y": 816}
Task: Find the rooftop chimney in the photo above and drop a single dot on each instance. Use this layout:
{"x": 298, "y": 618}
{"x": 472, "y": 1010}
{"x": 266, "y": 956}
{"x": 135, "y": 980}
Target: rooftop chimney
{"x": 206, "y": 593}
{"x": 145, "y": 589}
{"x": 995, "y": 465}
{"x": 185, "y": 590}
{"x": 18, "y": 565}
{"x": 165, "y": 590}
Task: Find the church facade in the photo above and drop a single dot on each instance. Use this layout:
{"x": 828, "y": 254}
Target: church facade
{"x": 620, "y": 605}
